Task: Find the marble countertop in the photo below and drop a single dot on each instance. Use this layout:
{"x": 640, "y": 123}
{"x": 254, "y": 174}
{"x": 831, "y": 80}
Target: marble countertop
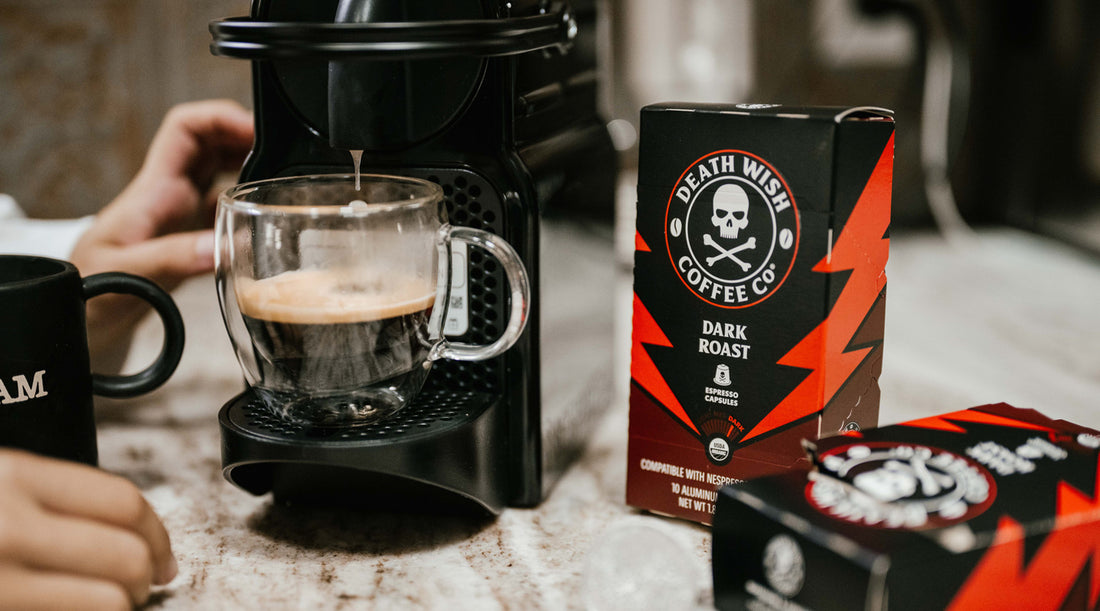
{"x": 1005, "y": 317}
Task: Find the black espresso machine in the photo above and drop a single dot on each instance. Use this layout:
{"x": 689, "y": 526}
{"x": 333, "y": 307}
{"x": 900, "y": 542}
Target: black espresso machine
{"x": 495, "y": 100}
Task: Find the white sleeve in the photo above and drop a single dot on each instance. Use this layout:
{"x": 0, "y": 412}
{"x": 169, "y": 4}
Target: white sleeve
{"x": 47, "y": 238}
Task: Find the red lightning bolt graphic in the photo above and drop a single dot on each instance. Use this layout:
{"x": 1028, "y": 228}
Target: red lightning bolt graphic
{"x": 862, "y": 249}
{"x": 644, "y": 371}
{"x": 948, "y": 422}
{"x": 1001, "y": 580}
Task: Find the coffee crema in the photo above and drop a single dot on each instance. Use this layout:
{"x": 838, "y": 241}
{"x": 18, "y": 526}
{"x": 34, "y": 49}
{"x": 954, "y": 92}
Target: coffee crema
{"x": 334, "y": 296}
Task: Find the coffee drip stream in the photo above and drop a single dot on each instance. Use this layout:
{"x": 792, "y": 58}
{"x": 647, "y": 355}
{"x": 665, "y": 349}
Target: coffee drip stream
{"x": 357, "y": 162}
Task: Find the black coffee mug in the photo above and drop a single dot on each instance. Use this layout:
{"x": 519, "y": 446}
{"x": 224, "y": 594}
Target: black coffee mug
{"x": 46, "y": 383}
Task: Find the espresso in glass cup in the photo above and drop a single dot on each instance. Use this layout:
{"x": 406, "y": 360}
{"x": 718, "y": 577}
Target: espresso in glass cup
{"x": 334, "y": 296}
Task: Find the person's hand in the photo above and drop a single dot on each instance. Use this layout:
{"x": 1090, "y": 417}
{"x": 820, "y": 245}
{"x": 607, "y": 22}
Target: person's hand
{"x": 76, "y": 537}
{"x": 159, "y": 226}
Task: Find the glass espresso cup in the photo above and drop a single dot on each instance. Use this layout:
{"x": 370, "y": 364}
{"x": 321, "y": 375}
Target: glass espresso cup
{"x": 334, "y": 296}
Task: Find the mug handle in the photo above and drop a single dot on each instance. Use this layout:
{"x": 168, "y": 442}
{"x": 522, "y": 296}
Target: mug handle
{"x": 520, "y": 287}
{"x": 162, "y": 368}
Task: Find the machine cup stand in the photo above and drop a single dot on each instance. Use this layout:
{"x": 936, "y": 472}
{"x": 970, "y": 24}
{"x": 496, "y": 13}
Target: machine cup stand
{"x": 443, "y": 450}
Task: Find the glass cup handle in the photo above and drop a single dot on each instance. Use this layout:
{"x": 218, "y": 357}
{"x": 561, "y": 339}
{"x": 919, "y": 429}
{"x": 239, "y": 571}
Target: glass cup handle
{"x": 520, "y": 287}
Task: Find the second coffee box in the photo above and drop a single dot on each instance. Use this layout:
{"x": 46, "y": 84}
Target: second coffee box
{"x": 992, "y": 507}
{"x": 759, "y": 292}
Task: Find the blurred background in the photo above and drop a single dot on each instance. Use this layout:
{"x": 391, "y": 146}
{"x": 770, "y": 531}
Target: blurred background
{"x": 997, "y": 101}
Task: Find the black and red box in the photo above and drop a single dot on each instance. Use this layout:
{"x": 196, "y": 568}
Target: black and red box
{"x": 992, "y": 507}
{"x": 759, "y": 291}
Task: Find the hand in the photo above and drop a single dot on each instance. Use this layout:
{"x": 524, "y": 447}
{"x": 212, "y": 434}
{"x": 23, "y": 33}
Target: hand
{"x": 75, "y": 537}
{"x": 159, "y": 226}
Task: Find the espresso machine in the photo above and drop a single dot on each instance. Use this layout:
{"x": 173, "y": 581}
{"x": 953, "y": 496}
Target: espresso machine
{"x": 495, "y": 100}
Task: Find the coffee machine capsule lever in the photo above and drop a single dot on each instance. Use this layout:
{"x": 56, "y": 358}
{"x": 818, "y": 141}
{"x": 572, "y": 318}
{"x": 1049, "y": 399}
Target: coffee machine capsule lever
{"x": 364, "y": 30}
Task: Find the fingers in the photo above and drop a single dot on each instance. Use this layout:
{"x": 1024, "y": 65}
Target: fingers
{"x": 71, "y": 546}
{"x": 90, "y": 515}
{"x": 134, "y": 544}
{"x": 170, "y": 259}
{"x": 33, "y": 590}
{"x": 199, "y": 139}
{"x": 166, "y": 260}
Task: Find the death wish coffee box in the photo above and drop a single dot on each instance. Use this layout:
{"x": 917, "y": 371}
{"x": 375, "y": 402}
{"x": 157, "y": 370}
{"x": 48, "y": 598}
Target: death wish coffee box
{"x": 987, "y": 508}
{"x": 759, "y": 292}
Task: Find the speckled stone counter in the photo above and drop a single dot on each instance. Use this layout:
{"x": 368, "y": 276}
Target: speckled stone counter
{"x": 1009, "y": 317}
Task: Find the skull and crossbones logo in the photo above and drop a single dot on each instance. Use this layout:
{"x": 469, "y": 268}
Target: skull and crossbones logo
{"x": 896, "y": 480}
{"x": 730, "y": 216}
{"x": 892, "y": 485}
{"x": 731, "y": 227}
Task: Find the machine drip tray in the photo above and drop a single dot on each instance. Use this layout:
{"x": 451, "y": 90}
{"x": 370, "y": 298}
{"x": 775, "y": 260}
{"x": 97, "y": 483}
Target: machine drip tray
{"x": 447, "y": 441}
{"x": 430, "y": 414}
